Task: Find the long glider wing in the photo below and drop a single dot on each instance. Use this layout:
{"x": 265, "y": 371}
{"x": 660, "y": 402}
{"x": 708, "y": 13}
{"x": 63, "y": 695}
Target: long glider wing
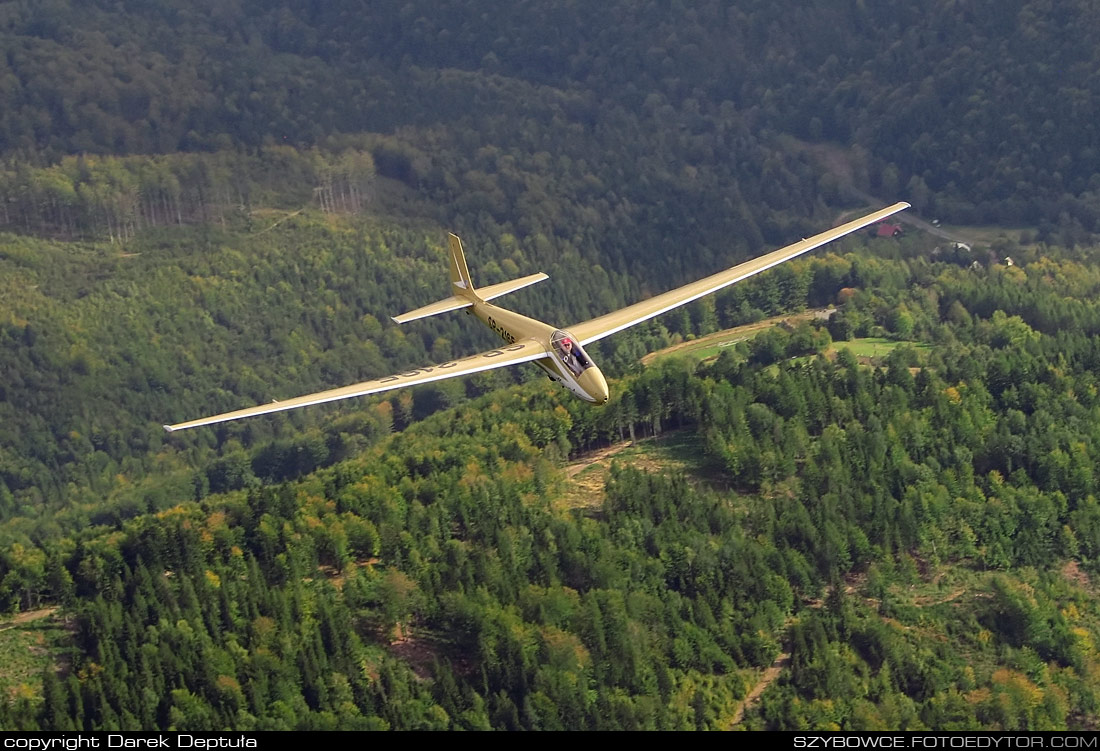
{"x": 608, "y": 324}
{"x": 523, "y": 350}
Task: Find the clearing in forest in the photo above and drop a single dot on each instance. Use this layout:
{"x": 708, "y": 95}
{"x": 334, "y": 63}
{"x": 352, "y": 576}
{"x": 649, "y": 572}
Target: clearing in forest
{"x": 712, "y": 344}
{"x": 874, "y": 348}
{"x": 868, "y": 350}
{"x": 30, "y": 643}
{"x": 675, "y": 450}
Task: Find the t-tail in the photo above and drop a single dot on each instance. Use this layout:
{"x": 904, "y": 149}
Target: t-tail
{"x": 464, "y": 294}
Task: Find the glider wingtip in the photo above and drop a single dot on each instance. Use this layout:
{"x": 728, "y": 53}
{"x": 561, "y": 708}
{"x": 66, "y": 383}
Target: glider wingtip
{"x": 169, "y": 428}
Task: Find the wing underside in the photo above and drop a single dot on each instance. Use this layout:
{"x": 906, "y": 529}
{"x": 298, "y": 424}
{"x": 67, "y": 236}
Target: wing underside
{"x": 524, "y": 350}
{"x": 608, "y": 324}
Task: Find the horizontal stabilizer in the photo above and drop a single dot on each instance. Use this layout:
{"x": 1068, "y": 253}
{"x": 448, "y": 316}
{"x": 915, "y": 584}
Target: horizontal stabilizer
{"x": 451, "y": 303}
{"x": 457, "y": 303}
{"x": 496, "y": 290}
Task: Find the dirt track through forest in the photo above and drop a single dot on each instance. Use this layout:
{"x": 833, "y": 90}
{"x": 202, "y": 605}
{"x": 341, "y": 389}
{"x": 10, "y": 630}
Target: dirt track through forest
{"x": 737, "y": 332}
{"x": 27, "y": 617}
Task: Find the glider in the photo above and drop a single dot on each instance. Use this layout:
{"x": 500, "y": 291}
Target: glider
{"x": 559, "y": 352}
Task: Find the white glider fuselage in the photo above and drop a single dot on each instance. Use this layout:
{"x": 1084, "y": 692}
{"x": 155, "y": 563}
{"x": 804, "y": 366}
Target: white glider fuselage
{"x": 589, "y": 384}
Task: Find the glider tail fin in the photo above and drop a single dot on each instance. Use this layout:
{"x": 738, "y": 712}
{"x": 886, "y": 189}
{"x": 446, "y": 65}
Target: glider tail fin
{"x": 461, "y": 283}
{"x": 464, "y": 294}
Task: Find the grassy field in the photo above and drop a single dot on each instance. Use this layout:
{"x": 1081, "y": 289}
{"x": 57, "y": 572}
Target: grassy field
{"x": 712, "y": 345}
{"x": 987, "y": 235}
{"x": 874, "y": 347}
{"x": 871, "y": 350}
{"x": 706, "y": 351}
{"x": 676, "y": 450}
{"x": 29, "y": 645}
{"x": 868, "y": 350}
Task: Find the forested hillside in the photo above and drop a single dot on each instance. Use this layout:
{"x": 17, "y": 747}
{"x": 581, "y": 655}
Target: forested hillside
{"x": 205, "y": 206}
{"x": 979, "y": 111}
{"x": 929, "y": 499}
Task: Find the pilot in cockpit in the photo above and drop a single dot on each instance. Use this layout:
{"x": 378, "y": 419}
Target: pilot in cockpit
{"x": 573, "y": 357}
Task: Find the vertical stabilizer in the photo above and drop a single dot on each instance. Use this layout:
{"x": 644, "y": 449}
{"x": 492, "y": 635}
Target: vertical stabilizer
{"x": 461, "y": 283}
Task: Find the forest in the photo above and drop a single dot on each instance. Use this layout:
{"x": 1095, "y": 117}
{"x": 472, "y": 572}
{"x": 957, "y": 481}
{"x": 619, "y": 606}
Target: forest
{"x": 978, "y": 111}
{"x": 204, "y": 206}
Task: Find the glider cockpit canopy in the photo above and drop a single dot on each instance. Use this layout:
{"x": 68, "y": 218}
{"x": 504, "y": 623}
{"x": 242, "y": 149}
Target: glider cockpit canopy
{"x": 570, "y": 352}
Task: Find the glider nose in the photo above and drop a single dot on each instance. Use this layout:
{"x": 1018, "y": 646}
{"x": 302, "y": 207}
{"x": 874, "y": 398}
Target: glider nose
{"x": 595, "y": 385}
